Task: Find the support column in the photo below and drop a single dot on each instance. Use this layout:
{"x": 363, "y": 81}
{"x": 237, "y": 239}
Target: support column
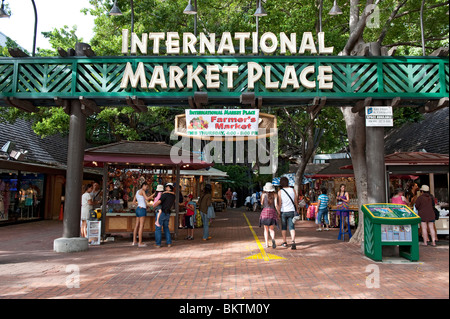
{"x": 376, "y": 168}
{"x": 71, "y": 240}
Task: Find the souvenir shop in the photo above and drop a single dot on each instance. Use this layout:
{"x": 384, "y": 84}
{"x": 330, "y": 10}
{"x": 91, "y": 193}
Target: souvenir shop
{"x": 126, "y": 165}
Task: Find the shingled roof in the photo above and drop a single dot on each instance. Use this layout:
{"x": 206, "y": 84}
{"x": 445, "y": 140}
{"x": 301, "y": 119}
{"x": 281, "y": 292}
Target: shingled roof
{"x": 430, "y": 134}
{"x": 49, "y": 150}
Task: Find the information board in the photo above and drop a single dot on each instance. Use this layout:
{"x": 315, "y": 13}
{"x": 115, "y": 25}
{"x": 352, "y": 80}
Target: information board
{"x": 390, "y": 211}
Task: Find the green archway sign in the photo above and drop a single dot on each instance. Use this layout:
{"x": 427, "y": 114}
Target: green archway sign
{"x": 227, "y": 76}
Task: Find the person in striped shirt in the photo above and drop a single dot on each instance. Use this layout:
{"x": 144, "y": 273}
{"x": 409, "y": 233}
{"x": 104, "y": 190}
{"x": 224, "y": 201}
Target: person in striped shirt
{"x": 322, "y": 210}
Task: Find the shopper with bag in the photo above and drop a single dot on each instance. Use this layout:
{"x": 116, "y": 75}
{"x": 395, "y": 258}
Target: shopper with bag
{"x": 206, "y": 210}
{"x": 287, "y": 208}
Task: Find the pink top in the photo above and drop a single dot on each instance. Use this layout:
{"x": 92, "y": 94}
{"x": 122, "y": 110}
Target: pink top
{"x": 398, "y": 200}
{"x": 157, "y": 197}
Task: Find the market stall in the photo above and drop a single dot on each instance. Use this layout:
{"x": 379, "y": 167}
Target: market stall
{"x": 126, "y": 165}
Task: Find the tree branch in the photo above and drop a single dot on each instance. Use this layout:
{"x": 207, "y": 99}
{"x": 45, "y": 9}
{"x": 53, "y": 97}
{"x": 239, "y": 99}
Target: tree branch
{"x": 417, "y": 10}
{"x": 387, "y": 25}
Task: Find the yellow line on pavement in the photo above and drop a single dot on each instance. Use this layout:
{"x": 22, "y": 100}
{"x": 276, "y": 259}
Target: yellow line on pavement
{"x": 260, "y": 246}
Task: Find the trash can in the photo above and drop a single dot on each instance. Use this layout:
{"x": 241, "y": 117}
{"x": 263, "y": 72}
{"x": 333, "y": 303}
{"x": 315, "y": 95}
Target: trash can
{"x": 390, "y": 225}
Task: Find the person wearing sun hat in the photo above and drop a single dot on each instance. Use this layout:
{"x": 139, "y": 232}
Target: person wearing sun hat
{"x": 424, "y": 206}
{"x": 269, "y": 215}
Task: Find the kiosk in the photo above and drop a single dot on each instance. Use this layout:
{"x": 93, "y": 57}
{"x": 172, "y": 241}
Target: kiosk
{"x": 390, "y": 225}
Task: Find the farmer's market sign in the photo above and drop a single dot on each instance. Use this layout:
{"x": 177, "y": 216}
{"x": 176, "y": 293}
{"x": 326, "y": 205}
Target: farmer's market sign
{"x": 222, "y": 122}
{"x": 175, "y": 77}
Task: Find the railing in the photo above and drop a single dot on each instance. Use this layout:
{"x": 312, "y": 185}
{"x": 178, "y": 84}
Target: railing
{"x": 99, "y": 78}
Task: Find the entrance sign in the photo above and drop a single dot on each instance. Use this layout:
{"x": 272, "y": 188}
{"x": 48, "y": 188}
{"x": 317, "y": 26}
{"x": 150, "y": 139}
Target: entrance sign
{"x": 188, "y": 43}
{"x": 379, "y": 116}
{"x": 222, "y": 122}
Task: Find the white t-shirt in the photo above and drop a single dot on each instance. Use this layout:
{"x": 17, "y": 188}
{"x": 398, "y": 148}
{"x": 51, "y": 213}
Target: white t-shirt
{"x": 234, "y": 196}
{"x": 286, "y": 203}
{"x": 85, "y": 207}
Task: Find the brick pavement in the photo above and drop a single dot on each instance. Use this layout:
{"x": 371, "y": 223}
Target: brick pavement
{"x": 321, "y": 268}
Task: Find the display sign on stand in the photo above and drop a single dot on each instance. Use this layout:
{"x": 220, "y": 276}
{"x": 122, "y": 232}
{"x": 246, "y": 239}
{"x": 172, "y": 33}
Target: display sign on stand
{"x": 94, "y": 229}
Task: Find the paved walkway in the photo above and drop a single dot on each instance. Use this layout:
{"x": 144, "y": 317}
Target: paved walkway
{"x": 321, "y": 268}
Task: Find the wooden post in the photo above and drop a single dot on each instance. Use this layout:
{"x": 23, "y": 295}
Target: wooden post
{"x": 74, "y": 176}
{"x": 177, "y": 199}
{"x": 104, "y": 197}
{"x": 376, "y": 168}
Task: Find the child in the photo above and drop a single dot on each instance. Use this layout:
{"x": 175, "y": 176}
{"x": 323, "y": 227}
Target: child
{"x": 322, "y": 210}
{"x": 189, "y": 218}
{"x": 158, "y": 209}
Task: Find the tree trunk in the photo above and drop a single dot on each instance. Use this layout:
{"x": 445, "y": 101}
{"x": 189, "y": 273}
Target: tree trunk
{"x": 356, "y": 132}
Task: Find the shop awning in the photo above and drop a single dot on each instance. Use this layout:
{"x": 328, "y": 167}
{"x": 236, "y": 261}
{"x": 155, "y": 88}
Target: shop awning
{"x": 143, "y": 153}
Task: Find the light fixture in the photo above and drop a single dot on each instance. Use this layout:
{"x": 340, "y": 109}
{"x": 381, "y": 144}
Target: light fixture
{"x": 3, "y": 13}
{"x": 115, "y": 11}
{"x": 260, "y": 12}
{"x": 190, "y": 9}
{"x": 335, "y": 10}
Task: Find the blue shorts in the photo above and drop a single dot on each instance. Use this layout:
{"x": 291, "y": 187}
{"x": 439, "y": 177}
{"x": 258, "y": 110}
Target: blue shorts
{"x": 286, "y": 220}
{"x": 141, "y": 212}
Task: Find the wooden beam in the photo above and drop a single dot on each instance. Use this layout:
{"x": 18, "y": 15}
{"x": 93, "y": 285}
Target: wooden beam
{"x": 361, "y": 105}
{"x": 17, "y": 53}
{"x": 139, "y": 104}
{"x": 395, "y": 102}
{"x": 200, "y": 99}
{"x": 432, "y": 106}
{"x": 62, "y": 53}
{"x": 248, "y": 98}
{"x": 90, "y": 104}
{"x": 65, "y": 104}
{"x": 23, "y": 105}
{"x": 136, "y": 104}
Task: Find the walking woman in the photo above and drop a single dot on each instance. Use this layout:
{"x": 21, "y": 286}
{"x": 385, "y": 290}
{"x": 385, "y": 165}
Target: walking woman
{"x": 286, "y": 207}
{"x": 204, "y": 202}
{"x": 424, "y": 205}
{"x": 268, "y": 216}
{"x": 140, "y": 199}
{"x": 86, "y": 206}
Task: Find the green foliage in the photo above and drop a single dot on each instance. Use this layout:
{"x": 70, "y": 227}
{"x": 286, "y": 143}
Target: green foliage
{"x": 113, "y": 124}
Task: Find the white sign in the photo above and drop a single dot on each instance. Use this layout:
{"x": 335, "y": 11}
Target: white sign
{"x": 222, "y": 122}
{"x": 94, "y": 232}
{"x": 379, "y": 116}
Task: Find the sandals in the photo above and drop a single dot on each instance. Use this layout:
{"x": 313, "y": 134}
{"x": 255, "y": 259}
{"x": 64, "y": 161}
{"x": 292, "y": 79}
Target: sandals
{"x": 273, "y": 244}
{"x": 284, "y": 244}
{"x": 293, "y": 246}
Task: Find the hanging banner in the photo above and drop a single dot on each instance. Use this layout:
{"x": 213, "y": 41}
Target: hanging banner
{"x": 222, "y": 122}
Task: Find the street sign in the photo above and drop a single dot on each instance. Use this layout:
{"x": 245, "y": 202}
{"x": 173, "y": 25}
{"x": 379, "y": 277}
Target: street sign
{"x": 379, "y": 116}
